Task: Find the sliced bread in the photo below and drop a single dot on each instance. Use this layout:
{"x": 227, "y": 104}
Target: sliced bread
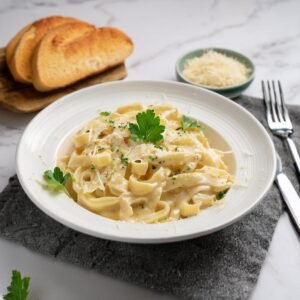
{"x": 12, "y": 44}
{"x": 69, "y": 53}
{"x": 20, "y": 63}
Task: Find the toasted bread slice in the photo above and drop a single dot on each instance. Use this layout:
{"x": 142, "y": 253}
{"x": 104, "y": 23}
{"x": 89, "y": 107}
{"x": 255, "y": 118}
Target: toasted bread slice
{"x": 65, "y": 55}
{"x": 12, "y": 44}
{"x": 20, "y": 63}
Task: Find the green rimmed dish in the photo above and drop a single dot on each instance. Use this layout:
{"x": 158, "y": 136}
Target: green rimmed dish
{"x": 231, "y": 91}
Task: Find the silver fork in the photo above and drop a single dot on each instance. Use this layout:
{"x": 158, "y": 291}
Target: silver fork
{"x": 278, "y": 117}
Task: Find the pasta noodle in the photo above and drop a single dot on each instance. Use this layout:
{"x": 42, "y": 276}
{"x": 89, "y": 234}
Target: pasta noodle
{"x": 121, "y": 178}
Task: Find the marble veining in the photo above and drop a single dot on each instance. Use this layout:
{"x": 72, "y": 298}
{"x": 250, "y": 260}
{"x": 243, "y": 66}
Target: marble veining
{"x": 268, "y": 31}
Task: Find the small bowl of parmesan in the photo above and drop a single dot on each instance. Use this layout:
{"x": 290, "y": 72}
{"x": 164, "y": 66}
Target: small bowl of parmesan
{"x": 220, "y": 70}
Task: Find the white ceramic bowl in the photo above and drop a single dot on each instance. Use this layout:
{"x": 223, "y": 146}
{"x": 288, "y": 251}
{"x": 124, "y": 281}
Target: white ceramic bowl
{"x": 227, "y": 124}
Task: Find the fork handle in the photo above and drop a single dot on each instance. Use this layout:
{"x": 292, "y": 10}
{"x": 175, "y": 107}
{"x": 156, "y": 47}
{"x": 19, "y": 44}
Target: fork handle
{"x": 290, "y": 197}
{"x": 295, "y": 154}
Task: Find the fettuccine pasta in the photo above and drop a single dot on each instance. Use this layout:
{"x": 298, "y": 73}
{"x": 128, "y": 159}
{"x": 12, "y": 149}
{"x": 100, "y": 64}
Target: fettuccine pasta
{"x": 118, "y": 175}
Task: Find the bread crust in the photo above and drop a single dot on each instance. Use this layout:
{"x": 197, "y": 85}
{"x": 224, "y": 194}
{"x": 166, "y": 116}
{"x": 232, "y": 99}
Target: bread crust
{"x": 20, "y": 62}
{"x": 69, "y": 53}
{"x": 12, "y": 44}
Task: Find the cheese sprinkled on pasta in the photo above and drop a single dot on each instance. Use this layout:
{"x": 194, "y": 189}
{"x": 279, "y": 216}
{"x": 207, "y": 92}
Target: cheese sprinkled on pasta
{"x": 121, "y": 178}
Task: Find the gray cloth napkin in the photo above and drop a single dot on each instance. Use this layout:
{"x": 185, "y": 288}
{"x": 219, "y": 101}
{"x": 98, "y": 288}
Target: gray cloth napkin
{"x": 223, "y": 265}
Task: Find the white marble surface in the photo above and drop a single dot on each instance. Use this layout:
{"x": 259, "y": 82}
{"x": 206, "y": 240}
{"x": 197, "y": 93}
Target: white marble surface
{"x": 267, "y": 31}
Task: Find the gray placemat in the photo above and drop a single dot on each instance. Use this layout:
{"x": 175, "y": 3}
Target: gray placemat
{"x": 223, "y": 265}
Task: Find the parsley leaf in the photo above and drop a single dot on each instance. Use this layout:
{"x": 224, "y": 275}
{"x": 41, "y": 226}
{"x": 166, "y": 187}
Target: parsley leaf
{"x": 105, "y": 113}
{"x": 122, "y": 125}
{"x": 124, "y": 160}
{"x": 56, "y": 180}
{"x": 221, "y": 194}
{"x": 187, "y": 123}
{"x": 18, "y": 289}
{"x": 159, "y": 147}
{"x": 148, "y": 128}
{"x": 153, "y": 158}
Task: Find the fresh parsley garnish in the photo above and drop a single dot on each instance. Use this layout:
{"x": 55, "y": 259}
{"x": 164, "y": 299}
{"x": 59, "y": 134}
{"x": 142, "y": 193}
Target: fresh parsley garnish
{"x": 124, "y": 160}
{"x": 148, "y": 127}
{"x": 221, "y": 195}
{"x": 18, "y": 289}
{"x": 153, "y": 158}
{"x": 105, "y": 113}
{"x": 187, "y": 123}
{"x": 122, "y": 125}
{"x": 111, "y": 123}
{"x": 56, "y": 180}
{"x": 159, "y": 147}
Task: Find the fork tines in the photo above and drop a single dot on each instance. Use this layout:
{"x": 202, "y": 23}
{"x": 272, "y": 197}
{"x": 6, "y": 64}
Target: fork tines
{"x": 277, "y": 113}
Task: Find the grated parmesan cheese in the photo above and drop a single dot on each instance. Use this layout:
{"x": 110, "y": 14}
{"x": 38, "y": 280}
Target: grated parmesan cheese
{"x": 214, "y": 69}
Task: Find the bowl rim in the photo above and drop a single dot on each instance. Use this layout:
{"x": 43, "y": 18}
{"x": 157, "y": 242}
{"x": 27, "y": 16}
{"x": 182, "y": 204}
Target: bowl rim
{"x": 220, "y": 50}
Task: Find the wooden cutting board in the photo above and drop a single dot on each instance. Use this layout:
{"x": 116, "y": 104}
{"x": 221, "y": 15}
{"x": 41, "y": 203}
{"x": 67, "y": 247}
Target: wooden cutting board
{"x": 23, "y": 98}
